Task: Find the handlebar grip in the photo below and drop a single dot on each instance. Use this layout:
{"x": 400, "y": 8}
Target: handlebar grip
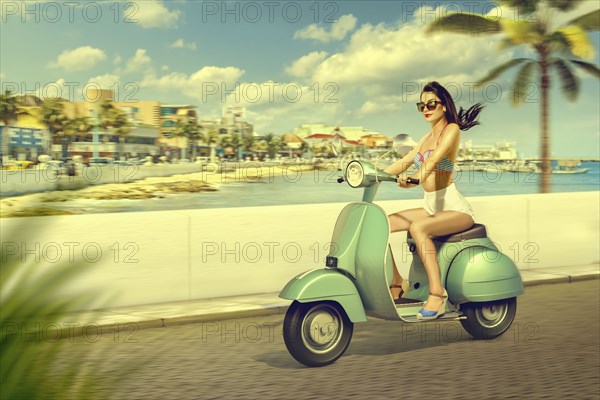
{"x": 340, "y": 180}
{"x": 412, "y": 180}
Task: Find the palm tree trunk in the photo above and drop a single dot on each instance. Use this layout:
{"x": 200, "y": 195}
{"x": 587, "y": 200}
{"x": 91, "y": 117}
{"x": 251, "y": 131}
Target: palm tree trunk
{"x": 545, "y": 134}
{"x": 65, "y": 147}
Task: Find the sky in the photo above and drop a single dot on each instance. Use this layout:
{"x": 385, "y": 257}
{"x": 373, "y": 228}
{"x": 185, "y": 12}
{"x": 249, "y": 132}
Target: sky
{"x": 358, "y": 63}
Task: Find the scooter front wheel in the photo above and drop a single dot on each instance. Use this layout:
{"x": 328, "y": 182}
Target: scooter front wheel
{"x": 317, "y": 333}
{"x": 489, "y": 319}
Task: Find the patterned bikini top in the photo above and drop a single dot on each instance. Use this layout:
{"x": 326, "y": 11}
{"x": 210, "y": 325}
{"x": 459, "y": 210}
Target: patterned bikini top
{"x": 445, "y": 164}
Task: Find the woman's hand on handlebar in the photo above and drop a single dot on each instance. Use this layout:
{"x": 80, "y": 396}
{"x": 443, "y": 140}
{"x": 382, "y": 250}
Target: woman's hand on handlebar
{"x": 407, "y": 183}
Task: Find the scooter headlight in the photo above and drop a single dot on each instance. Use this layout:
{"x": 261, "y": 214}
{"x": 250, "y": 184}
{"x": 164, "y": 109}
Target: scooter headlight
{"x": 355, "y": 174}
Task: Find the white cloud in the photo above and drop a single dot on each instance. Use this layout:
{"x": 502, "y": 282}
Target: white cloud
{"x": 164, "y": 68}
{"x": 338, "y": 30}
{"x": 200, "y": 85}
{"x": 60, "y": 88}
{"x": 305, "y": 65}
{"x": 117, "y": 60}
{"x": 181, "y": 44}
{"x": 106, "y": 81}
{"x": 383, "y": 60}
{"x": 154, "y": 14}
{"x": 140, "y": 62}
{"x": 80, "y": 59}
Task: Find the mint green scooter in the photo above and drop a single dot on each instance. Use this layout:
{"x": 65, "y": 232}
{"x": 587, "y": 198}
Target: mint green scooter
{"x": 482, "y": 283}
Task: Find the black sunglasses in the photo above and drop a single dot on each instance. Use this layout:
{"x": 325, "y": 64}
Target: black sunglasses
{"x": 431, "y": 105}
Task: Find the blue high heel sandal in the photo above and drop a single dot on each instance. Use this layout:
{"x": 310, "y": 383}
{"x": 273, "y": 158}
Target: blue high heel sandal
{"x": 426, "y": 314}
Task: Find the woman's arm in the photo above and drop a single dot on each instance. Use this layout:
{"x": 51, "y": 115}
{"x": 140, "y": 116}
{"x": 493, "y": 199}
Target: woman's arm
{"x": 405, "y": 162}
{"x": 446, "y": 144}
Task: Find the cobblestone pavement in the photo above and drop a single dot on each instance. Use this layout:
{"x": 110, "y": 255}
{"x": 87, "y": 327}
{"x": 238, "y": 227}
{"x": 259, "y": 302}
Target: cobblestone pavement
{"x": 551, "y": 351}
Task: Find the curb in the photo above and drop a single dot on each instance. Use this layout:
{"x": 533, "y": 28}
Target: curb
{"x": 133, "y": 326}
{"x": 562, "y": 279}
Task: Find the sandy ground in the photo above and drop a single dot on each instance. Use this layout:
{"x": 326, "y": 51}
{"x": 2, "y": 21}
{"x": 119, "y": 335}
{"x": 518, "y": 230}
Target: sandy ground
{"x": 39, "y": 204}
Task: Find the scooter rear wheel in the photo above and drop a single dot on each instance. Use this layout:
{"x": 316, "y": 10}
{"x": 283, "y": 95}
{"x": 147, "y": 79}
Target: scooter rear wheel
{"x": 489, "y": 320}
{"x": 317, "y": 333}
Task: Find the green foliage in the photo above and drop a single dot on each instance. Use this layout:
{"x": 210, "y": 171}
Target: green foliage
{"x": 32, "y": 296}
{"x": 465, "y": 23}
{"x": 590, "y": 68}
{"x": 8, "y": 107}
{"x": 523, "y": 6}
{"x": 569, "y": 83}
{"x": 496, "y": 72}
{"x": 589, "y": 21}
{"x": 522, "y": 82}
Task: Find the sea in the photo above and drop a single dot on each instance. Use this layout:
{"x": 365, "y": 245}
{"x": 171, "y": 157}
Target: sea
{"x": 314, "y": 187}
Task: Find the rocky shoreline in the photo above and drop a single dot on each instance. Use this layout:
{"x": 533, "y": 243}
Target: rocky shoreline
{"x": 42, "y": 204}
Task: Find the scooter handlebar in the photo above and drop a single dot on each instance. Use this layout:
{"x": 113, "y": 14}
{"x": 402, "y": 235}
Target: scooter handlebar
{"x": 412, "y": 180}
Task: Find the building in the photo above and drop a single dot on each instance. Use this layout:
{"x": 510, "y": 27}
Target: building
{"x": 505, "y": 150}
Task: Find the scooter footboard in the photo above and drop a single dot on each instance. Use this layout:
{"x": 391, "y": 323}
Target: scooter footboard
{"x": 479, "y": 274}
{"x": 326, "y": 284}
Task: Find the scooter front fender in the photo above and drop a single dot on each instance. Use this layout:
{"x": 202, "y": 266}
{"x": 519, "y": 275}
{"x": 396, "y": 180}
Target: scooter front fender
{"x": 326, "y": 284}
{"x": 479, "y": 274}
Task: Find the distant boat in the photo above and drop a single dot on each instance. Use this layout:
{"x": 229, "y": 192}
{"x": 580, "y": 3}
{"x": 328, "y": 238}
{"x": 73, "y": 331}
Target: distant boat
{"x": 569, "y": 167}
{"x": 520, "y": 166}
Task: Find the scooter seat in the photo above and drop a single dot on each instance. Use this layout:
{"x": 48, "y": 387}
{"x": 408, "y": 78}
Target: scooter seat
{"x": 474, "y": 232}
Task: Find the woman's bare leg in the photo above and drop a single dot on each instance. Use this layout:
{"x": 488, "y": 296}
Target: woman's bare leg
{"x": 401, "y": 221}
{"x": 439, "y": 224}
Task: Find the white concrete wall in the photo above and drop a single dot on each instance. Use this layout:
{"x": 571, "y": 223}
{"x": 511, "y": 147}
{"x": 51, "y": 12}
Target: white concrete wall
{"x": 153, "y": 257}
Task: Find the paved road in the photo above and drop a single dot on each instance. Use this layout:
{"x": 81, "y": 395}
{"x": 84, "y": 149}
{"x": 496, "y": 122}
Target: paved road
{"x": 551, "y": 351}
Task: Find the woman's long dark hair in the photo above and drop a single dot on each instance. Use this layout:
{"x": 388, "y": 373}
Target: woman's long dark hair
{"x": 465, "y": 119}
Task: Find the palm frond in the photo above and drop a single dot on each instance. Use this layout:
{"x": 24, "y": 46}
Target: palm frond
{"x": 522, "y": 82}
{"x": 522, "y": 32}
{"x": 496, "y": 72}
{"x": 569, "y": 82}
{"x": 588, "y": 67}
{"x": 564, "y": 5}
{"x": 589, "y": 21}
{"x": 472, "y": 24}
{"x": 557, "y": 41}
{"x": 523, "y": 6}
{"x": 579, "y": 41}
{"x": 506, "y": 43}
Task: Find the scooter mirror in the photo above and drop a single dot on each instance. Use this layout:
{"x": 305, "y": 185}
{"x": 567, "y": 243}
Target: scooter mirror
{"x": 403, "y": 144}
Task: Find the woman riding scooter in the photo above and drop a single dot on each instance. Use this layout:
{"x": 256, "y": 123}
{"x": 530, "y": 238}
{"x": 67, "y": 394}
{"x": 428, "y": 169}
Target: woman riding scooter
{"x": 445, "y": 210}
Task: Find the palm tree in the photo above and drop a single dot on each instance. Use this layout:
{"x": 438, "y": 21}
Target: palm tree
{"x": 273, "y": 145}
{"x": 247, "y": 143}
{"x": 54, "y": 117}
{"x": 571, "y": 41}
{"x": 236, "y": 143}
{"x": 8, "y": 114}
{"x": 114, "y": 120}
{"x": 190, "y": 130}
{"x": 211, "y": 138}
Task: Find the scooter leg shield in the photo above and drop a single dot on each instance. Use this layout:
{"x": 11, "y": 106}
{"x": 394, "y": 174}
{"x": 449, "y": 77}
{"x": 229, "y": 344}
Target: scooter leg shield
{"x": 479, "y": 274}
{"x": 326, "y": 284}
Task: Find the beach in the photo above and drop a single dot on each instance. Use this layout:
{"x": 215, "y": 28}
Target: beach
{"x": 42, "y": 204}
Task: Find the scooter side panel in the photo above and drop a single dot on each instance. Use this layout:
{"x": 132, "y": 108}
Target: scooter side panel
{"x": 360, "y": 239}
{"x": 326, "y": 284}
{"x": 479, "y": 274}
{"x": 373, "y": 264}
{"x": 446, "y": 252}
{"x": 346, "y": 235}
